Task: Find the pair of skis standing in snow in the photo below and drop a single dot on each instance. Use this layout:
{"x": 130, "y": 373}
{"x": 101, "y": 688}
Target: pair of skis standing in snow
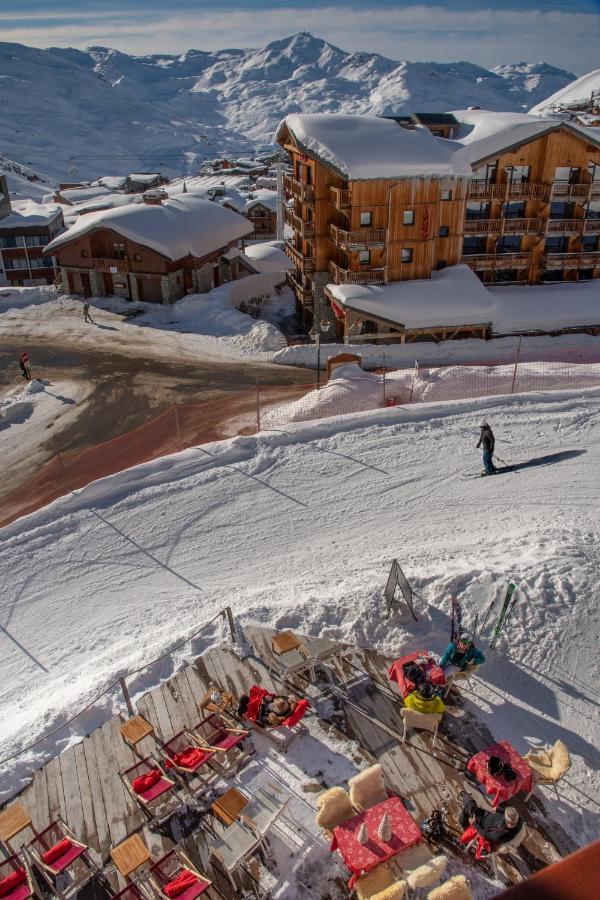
{"x": 505, "y": 613}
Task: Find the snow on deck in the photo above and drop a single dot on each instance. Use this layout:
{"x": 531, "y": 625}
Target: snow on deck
{"x": 456, "y": 296}
{"x": 364, "y": 147}
{"x": 179, "y": 226}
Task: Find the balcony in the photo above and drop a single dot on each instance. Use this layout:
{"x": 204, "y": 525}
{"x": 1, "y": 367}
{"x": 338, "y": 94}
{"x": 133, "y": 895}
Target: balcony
{"x": 305, "y": 229}
{"x": 353, "y": 240}
{"x": 562, "y": 189}
{"x": 564, "y": 226}
{"x": 521, "y": 226}
{"x": 494, "y": 261}
{"x": 306, "y": 264}
{"x": 339, "y": 197}
{"x": 302, "y": 292}
{"x": 102, "y": 264}
{"x": 485, "y": 190}
{"x": 594, "y": 190}
{"x": 501, "y": 226}
{"x": 571, "y": 260}
{"x": 305, "y": 193}
{"x": 482, "y": 226}
{"x": 362, "y": 276}
{"x": 591, "y": 226}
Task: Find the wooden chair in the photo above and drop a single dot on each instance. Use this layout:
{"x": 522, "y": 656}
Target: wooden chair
{"x": 149, "y": 787}
{"x": 183, "y": 754}
{"x": 334, "y": 807}
{"x": 380, "y": 884}
{"x": 465, "y": 675}
{"x": 506, "y": 848}
{"x": 230, "y": 744}
{"x": 420, "y": 721}
{"x": 426, "y": 875}
{"x": 367, "y": 789}
{"x": 130, "y": 892}
{"x": 55, "y": 851}
{"x": 456, "y": 888}
{"x": 174, "y": 876}
{"x": 549, "y": 764}
{"x": 16, "y": 882}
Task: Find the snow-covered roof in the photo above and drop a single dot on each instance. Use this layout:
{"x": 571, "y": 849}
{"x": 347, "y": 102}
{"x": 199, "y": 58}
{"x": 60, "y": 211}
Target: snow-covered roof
{"x": 366, "y": 147}
{"x": 76, "y": 195}
{"x": 105, "y": 201}
{"x": 575, "y": 93}
{"x": 453, "y": 296}
{"x": 265, "y": 197}
{"x": 199, "y": 183}
{"x": 179, "y": 226}
{"x": 114, "y": 182}
{"x": 269, "y": 256}
{"x": 144, "y": 177}
{"x": 28, "y": 213}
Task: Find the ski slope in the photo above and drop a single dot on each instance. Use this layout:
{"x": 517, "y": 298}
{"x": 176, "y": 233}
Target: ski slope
{"x": 297, "y": 528}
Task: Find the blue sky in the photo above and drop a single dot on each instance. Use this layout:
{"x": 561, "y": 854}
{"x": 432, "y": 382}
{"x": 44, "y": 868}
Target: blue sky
{"x": 488, "y": 32}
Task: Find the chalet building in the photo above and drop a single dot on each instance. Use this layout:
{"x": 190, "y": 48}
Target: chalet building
{"x": 372, "y": 201}
{"x": 259, "y": 207}
{"x": 25, "y": 229}
{"x": 144, "y": 181}
{"x": 155, "y": 251}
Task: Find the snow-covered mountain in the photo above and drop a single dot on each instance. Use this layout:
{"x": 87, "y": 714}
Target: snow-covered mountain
{"x": 74, "y": 113}
{"x": 575, "y": 94}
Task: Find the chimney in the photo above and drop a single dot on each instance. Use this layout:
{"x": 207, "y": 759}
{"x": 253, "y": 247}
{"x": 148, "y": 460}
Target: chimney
{"x": 155, "y": 196}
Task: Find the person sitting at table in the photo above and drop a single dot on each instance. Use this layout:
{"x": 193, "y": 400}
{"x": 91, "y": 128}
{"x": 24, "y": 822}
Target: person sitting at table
{"x": 491, "y": 828}
{"x": 425, "y": 700}
{"x": 460, "y": 654}
{"x": 273, "y": 710}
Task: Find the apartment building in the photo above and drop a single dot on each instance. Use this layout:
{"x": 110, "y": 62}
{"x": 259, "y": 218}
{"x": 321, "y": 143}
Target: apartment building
{"x": 372, "y": 200}
{"x": 25, "y": 228}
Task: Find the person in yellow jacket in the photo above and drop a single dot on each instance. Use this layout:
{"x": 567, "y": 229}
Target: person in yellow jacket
{"x": 425, "y": 700}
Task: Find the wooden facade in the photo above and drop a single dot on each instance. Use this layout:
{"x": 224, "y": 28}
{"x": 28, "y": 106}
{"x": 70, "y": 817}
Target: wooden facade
{"x": 528, "y": 214}
{"x": 22, "y": 260}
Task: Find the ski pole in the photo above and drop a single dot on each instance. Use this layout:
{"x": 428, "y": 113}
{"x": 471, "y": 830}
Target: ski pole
{"x": 503, "y": 461}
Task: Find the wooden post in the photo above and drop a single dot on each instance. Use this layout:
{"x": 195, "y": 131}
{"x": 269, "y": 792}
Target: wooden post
{"x": 512, "y": 387}
{"x": 229, "y": 616}
{"x": 128, "y": 702}
{"x": 415, "y": 373}
{"x": 177, "y": 429}
{"x": 257, "y": 407}
{"x": 384, "y": 398}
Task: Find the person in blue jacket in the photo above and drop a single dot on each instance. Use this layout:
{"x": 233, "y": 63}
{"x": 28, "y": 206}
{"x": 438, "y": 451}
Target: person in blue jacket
{"x": 460, "y": 654}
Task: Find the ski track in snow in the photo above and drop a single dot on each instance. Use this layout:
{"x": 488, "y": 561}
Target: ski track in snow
{"x": 297, "y": 528}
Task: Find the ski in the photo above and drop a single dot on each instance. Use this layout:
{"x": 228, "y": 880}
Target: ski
{"x": 503, "y": 611}
{"x": 456, "y": 619}
{"x": 487, "y": 615}
{"x": 500, "y": 471}
{"x": 509, "y": 611}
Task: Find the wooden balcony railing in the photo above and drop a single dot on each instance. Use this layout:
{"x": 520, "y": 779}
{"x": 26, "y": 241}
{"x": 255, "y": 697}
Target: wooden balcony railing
{"x": 306, "y": 264}
{"x": 564, "y": 189}
{"x": 352, "y": 239}
{"x": 340, "y": 197}
{"x": 305, "y": 229}
{"x": 482, "y": 226}
{"x": 591, "y": 259}
{"x": 525, "y": 190}
{"x": 564, "y": 226}
{"x": 571, "y": 260}
{"x": 305, "y": 193}
{"x": 359, "y": 276}
{"x": 591, "y": 226}
{"x": 502, "y": 226}
{"x": 521, "y": 226}
{"x": 595, "y": 190}
{"x": 103, "y": 264}
{"x": 303, "y": 293}
{"x": 485, "y": 190}
{"x": 497, "y": 260}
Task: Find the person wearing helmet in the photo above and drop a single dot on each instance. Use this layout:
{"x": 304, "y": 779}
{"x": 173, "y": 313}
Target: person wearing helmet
{"x": 460, "y": 654}
{"x": 425, "y": 700}
{"x": 487, "y": 443}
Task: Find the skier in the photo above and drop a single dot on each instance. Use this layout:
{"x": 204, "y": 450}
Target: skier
{"x": 460, "y": 654}
{"x": 487, "y": 442}
{"x": 425, "y": 700}
{"x": 491, "y": 828}
{"x": 86, "y": 313}
{"x": 24, "y": 366}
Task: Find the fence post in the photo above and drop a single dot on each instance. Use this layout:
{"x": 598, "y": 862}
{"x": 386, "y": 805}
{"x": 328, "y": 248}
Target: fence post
{"x": 412, "y": 387}
{"x": 177, "y": 429}
{"x": 384, "y": 398}
{"x": 257, "y": 407}
{"x": 227, "y": 614}
{"x": 128, "y": 702}
{"x": 512, "y": 387}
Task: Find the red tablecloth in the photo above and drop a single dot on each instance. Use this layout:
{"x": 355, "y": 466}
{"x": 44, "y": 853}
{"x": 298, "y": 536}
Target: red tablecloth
{"x": 361, "y": 858}
{"x": 433, "y": 673}
{"x": 501, "y": 789}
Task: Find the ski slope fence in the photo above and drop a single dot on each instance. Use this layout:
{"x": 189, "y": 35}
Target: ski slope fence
{"x": 184, "y": 426}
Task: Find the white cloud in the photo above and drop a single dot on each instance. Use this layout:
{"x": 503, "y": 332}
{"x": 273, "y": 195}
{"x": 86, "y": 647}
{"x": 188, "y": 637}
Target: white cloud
{"x": 485, "y": 36}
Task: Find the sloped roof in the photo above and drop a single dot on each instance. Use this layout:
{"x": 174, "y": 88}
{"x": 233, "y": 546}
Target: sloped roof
{"x": 179, "y": 226}
{"x": 29, "y": 214}
{"x": 370, "y": 147}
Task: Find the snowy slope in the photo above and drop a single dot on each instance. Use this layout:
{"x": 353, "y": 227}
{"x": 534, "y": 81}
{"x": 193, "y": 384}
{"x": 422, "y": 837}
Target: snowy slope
{"x": 200, "y": 105}
{"x": 296, "y": 527}
{"x": 577, "y": 92}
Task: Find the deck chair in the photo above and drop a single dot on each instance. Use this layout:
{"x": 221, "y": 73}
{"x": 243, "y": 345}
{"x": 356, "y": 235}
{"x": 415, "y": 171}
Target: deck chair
{"x": 469, "y": 670}
{"x": 456, "y": 888}
{"x": 15, "y": 879}
{"x": 289, "y": 656}
{"x": 282, "y": 735}
{"x": 183, "y": 755}
{"x": 174, "y": 876}
{"x": 232, "y": 847}
{"x": 367, "y": 789}
{"x": 505, "y": 848}
{"x": 420, "y": 721}
{"x": 263, "y": 810}
{"x": 55, "y": 851}
{"x": 333, "y": 807}
{"x": 426, "y": 875}
{"x": 151, "y": 789}
{"x": 380, "y": 884}
{"x": 549, "y": 764}
{"x": 230, "y": 745}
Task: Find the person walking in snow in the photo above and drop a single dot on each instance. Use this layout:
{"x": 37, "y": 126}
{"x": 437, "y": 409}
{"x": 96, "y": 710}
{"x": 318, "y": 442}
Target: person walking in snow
{"x": 24, "y": 365}
{"x": 86, "y": 313}
{"x": 487, "y": 443}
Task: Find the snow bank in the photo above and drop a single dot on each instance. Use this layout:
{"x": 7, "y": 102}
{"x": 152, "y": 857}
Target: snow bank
{"x": 268, "y": 256}
{"x": 12, "y": 298}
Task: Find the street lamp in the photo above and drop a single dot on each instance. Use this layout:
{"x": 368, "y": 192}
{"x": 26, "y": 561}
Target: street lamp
{"x": 315, "y": 335}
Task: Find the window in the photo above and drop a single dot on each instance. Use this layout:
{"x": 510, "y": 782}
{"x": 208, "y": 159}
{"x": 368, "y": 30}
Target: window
{"x": 84, "y": 254}
{"x": 566, "y": 174}
{"x": 364, "y": 257}
{"x": 487, "y": 173}
{"x": 8, "y": 242}
{"x": 561, "y": 210}
{"x": 365, "y": 219}
{"x": 556, "y": 244}
{"x": 406, "y": 254}
{"x": 446, "y": 195}
{"x": 589, "y": 244}
{"x": 137, "y": 257}
{"x": 119, "y": 251}
{"x": 514, "y": 210}
{"x": 443, "y": 231}
{"x": 478, "y": 211}
{"x": 473, "y": 246}
{"x": 517, "y": 174}
{"x": 409, "y": 217}
{"x": 593, "y": 210}
{"x": 509, "y": 244}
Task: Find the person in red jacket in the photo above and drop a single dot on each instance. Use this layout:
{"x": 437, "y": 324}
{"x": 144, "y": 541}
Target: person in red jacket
{"x": 24, "y": 365}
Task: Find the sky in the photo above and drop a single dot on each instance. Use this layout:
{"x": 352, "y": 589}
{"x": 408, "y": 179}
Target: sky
{"x": 565, "y": 33}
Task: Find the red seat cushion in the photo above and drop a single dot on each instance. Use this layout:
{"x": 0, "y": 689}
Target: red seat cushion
{"x": 143, "y": 783}
{"x": 228, "y": 740}
{"x": 58, "y": 850}
{"x": 181, "y": 883}
{"x": 190, "y": 758}
{"x": 12, "y": 881}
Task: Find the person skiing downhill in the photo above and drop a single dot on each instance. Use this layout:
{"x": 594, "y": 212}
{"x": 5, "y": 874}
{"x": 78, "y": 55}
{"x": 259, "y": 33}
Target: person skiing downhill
{"x": 487, "y": 443}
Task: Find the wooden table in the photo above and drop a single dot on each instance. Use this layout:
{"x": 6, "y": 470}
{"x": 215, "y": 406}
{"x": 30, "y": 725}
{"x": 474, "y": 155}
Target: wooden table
{"x": 135, "y": 730}
{"x": 130, "y": 855}
{"x": 12, "y": 821}
{"x": 227, "y": 701}
{"x": 284, "y": 641}
{"x": 229, "y": 805}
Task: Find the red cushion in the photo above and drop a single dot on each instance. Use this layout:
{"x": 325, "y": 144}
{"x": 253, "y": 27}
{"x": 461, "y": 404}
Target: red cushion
{"x": 298, "y": 713}
{"x": 184, "y": 880}
{"x": 145, "y": 782}
{"x": 58, "y": 850}
{"x": 190, "y": 758}
{"x": 12, "y": 881}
